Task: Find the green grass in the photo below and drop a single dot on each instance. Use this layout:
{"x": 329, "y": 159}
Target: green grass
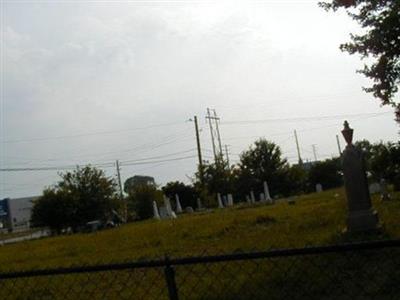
{"x": 315, "y": 219}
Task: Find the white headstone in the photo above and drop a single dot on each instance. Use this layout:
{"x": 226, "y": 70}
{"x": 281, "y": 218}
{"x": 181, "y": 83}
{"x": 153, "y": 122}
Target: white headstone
{"x": 374, "y": 188}
{"x": 173, "y": 215}
{"x": 230, "y": 200}
{"x": 220, "y": 205}
{"x": 248, "y": 199}
{"x": 168, "y": 207}
{"x": 155, "y": 211}
{"x": 189, "y": 210}
{"x": 318, "y": 188}
{"x": 266, "y": 193}
{"x": 199, "y": 206}
{"x": 253, "y": 199}
{"x": 178, "y": 204}
{"x": 164, "y": 212}
{"x": 262, "y": 198}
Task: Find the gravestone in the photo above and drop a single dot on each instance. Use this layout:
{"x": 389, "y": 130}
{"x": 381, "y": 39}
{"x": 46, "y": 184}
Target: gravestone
{"x": 230, "y": 200}
{"x": 178, "y": 204}
{"x": 361, "y": 217}
{"x": 167, "y": 205}
{"x": 189, "y": 210}
{"x": 266, "y": 193}
{"x": 253, "y": 199}
{"x": 164, "y": 212}
{"x": 220, "y": 205}
{"x": 248, "y": 199}
{"x": 262, "y": 198}
{"x": 374, "y": 188}
{"x": 318, "y": 188}
{"x": 199, "y": 206}
{"x": 224, "y": 200}
{"x": 155, "y": 211}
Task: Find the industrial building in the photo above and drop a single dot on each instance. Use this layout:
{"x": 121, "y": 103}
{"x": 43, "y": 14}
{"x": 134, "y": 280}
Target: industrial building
{"x": 15, "y": 214}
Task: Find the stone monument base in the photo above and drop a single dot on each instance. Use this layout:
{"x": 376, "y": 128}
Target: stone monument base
{"x": 364, "y": 220}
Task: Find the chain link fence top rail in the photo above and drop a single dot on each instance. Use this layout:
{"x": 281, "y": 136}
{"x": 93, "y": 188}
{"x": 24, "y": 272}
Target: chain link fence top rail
{"x": 368, "y": 270}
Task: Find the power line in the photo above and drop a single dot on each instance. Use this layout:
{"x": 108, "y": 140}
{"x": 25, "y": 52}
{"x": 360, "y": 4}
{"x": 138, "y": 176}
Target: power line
{"x": 139, "y": 149}
{"x": 157, "y": 161}
{"x": 104, "y": 165}
{"x": 299, "y": 119}
{"x": 88, "y": 134}
{"x": 161, "y": 156}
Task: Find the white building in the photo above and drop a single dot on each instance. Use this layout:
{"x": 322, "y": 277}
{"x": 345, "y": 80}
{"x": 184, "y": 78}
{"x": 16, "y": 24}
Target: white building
{"x": 15, "y": 214}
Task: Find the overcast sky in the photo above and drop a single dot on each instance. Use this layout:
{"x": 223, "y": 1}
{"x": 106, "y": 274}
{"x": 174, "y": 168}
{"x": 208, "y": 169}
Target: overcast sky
{"x": 95, "y": 81}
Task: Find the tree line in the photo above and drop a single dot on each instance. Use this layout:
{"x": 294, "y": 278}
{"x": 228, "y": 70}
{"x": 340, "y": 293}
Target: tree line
{"x": 87, "y": 194}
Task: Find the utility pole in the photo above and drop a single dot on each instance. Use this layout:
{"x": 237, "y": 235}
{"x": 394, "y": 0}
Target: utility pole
{"x": 218, "y": 135}
{"x": 212, "y": 134}
{"x": 196, "y": 126}
{"x": 121, "y": 195}
{"x": 214, "y": 130}
{"x": 338, "y": 144}
{"x": 227, "y": 156}
{"x": 298, "y": 148}
{"x": 314, "y": 149}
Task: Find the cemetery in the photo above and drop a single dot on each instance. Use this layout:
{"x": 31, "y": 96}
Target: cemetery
{"x": 357, "y": 211}
{"x": 315, "y": 219}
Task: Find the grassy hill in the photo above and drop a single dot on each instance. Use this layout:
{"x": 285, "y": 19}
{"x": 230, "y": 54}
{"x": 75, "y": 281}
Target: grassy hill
{"x": 315, "y": 219}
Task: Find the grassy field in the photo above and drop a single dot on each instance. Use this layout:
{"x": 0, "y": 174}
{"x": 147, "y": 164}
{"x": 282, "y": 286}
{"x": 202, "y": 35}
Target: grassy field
{"x": 315, "y": 219}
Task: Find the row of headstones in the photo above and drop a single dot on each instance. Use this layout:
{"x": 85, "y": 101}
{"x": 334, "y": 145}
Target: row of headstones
{"x": 166, "y": 212}
{"x": 263, "y": 197}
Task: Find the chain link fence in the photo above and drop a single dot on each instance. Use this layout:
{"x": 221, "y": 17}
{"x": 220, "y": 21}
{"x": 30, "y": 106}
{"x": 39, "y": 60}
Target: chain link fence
{"x": 368, "y": 270}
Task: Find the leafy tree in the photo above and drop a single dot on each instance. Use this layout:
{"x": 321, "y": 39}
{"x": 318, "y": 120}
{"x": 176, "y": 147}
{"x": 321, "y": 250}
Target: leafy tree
{"x": 140, "y": 201}
{"x": 366, "y": 147}
{"x": 83, "y": 195}
{"x": 263, "y": 162}
{"x": 383, "y": 161}
{"x": 379, "y": 43}
{"x": 327, "y": 173}
{"x": 395, "y": 164}
{"x": 216, "y": 177}
{"x": 187, "y": 193}
{"x": 53, "y": 209}
{"x": 296, "y": 180}
{"x": 138, "y": 180}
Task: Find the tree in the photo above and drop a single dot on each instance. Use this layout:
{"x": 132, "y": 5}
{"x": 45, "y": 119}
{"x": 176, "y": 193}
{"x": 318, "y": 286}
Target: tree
{"x": 53, "y": 209}
{"x": 187, "y": 193}
{"x": 140, "y": 201}
{"x": 383, "y": 161}
{"x": 260, "y": 163}
{"x": 83, "y": 195}
{"x": 296, "y": 180}
{"x": 379, "y": 43}
{"x": 217, "y": 177}
{"x": 327, "y": 173}
{"x": 138, "y": 180}
{"x": 142, "y": 191}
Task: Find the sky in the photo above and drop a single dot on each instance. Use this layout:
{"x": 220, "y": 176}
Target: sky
{"x": 99, "y": 81}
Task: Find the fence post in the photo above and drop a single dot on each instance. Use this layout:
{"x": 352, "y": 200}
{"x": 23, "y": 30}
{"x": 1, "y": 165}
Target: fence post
{"x": 170, "y": 278}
